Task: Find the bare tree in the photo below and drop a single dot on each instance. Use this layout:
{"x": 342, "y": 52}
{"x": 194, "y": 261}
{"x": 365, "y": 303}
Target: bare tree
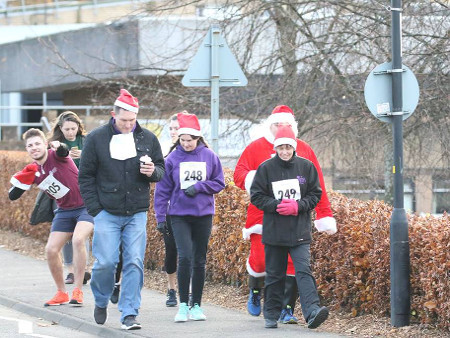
{"x": 315, "y": 57}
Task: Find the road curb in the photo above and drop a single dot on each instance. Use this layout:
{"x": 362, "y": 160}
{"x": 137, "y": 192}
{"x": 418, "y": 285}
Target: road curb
{"x": 61, "y": 319}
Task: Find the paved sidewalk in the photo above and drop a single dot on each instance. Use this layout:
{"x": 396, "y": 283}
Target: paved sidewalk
{"x": 25, "y": 285}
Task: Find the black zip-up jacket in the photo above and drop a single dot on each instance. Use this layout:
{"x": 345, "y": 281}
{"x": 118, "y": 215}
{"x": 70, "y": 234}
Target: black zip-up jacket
{"x": 114, "y": 185}
{"x": 286, "y": 230}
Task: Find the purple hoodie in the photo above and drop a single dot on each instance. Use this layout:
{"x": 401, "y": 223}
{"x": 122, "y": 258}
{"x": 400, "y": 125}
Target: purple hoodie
{"x": 171, "y": 200}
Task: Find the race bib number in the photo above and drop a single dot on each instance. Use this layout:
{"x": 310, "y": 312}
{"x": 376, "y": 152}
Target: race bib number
{"x": 191, "y": 173}
{"x": 53, "y": 187}
{"x": 286, "y": 189}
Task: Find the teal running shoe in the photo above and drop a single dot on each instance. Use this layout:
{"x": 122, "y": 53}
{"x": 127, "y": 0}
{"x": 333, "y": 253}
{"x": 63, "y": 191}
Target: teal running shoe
{"x": 196, "y": 313}
{"x": 182, "y": 315}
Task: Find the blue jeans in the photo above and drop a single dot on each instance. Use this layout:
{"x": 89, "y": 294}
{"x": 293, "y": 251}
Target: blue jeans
{"x": 111, "y": 231}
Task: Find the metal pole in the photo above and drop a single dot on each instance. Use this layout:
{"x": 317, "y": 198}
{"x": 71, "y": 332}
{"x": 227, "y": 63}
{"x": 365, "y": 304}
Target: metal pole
{"x": 44, "y": 101}
{"x": 399, "y": 243}
{"x": 1, "y": 111}
{"x": 215, "y": 77}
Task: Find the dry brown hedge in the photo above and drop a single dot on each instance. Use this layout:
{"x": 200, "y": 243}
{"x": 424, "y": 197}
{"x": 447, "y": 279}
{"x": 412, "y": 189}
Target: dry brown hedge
{"x": 351, "y": 267}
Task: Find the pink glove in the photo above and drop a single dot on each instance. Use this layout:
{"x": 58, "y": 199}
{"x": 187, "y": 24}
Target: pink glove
{"x": 288, "y": 208}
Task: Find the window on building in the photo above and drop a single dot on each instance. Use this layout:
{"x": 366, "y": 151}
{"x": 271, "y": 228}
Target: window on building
{"x": 200, "y": 10}
{"x": 217, "y": 11}
{"x": 441, "y": 194}
{"x": 360, "y": 188}
{"x": 365, "y": 188}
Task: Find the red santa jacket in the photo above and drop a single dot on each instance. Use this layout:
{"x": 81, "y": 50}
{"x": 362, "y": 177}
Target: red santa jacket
{"x": 257, "y": 152}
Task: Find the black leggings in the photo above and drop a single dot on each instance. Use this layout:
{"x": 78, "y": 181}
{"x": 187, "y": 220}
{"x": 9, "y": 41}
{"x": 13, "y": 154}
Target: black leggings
{"x": 170, "y": 260}
{"x": 191, "y": 235}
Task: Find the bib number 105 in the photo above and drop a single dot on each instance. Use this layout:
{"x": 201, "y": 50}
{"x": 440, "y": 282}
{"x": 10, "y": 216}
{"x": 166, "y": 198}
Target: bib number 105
{"x": 53, "y": 188}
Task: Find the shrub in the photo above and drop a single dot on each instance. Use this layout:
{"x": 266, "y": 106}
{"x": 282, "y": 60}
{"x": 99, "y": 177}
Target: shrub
{"x": 351, "y": 267}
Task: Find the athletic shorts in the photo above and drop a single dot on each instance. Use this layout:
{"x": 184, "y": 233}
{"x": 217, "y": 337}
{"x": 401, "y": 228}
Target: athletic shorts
{"x": 66, "y": 220}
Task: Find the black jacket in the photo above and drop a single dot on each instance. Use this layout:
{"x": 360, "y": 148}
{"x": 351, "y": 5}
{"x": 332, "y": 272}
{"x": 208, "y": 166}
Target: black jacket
{"x": 286, "y": 230}
{"x": 114, "y": 185}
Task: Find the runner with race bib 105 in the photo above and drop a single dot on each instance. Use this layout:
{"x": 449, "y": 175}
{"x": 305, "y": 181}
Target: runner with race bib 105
{"x": 55, "y": 173}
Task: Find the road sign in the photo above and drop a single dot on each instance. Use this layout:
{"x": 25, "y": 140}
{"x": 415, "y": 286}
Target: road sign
{"x": 200, "y": 70}
{"x": 378, "y": 92}
{"x": 214, "y": 66}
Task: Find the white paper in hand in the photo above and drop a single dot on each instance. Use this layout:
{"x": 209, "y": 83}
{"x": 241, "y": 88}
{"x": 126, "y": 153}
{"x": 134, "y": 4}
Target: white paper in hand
{"x": 122, "y": 146}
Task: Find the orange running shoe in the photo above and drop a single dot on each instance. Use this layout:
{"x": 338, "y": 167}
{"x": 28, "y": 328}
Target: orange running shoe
{"x": 59, "y": 299}
{"x": 77, "y": 297}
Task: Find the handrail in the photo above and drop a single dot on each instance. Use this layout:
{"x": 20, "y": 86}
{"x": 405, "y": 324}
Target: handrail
{"x": 45, "y": 108}
{"x": 58, "y": 107}
{"x": 45, "y": 123}
{"x": 86, "y": 108}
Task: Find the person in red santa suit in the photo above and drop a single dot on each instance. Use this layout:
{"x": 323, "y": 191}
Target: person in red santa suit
{"x": 253, "y": 155}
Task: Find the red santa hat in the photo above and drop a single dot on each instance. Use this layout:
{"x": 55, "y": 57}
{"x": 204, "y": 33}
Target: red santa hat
{"x": 282, "y": 114}
{"x": 285, "y": 135}
{"x": 25, "y": 178}
{"x": 127, "y": 101}
{"x": 189, "y": 124}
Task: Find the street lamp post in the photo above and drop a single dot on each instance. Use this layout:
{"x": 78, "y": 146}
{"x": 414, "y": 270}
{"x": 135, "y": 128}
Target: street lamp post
{"x": 399, "y": 258}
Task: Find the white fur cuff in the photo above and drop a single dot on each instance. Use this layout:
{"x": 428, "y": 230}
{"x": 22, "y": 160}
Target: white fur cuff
{"x": 249, "y": 180}
{"x": 15, "y": 182}
{"x": 256, "y": 229}
{"x": 252, "y": 272}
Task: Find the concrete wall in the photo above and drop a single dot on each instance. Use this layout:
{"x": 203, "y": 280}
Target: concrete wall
{"x": 60, "y": 61}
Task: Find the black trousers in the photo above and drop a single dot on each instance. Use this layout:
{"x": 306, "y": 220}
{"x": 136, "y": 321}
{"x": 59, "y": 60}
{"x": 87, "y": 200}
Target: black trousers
{"x": 192, "y": 236}
{"x": 276, "y": 264}
{"x": 170, "y": 260}
{"x": 290, "y": 289}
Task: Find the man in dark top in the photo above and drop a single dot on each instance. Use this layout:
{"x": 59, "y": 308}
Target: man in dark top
{"x": 286, "y": 188}
{"x": 119, "y": 161}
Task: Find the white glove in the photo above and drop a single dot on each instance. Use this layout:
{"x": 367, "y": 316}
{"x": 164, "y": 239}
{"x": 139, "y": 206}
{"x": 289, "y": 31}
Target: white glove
{"x": 326, "y": 224}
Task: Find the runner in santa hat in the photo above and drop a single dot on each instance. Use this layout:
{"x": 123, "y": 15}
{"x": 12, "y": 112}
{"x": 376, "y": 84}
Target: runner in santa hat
{"x": 286, "y": 187}
{"x": 186, "y": 193}
{"x": 253, "y": 155}
{"x": 120, "y": 161}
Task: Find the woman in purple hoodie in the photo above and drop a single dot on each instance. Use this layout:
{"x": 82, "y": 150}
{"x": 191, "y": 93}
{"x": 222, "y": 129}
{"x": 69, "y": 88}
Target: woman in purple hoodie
{"x": 186, "y": 193}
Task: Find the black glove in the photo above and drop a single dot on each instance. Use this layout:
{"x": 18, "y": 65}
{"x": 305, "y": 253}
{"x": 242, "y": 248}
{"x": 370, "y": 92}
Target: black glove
{"x": 191, "y": 192}
{"x": 163, "y": 228}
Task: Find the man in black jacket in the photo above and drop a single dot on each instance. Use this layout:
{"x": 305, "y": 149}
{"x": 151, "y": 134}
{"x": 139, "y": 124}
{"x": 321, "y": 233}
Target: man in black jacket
{"x": 286, "y": 187}
{"x": 119, "y": 162}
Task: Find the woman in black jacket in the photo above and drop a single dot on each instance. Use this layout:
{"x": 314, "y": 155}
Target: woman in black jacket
{"x": 286, "y": 187}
